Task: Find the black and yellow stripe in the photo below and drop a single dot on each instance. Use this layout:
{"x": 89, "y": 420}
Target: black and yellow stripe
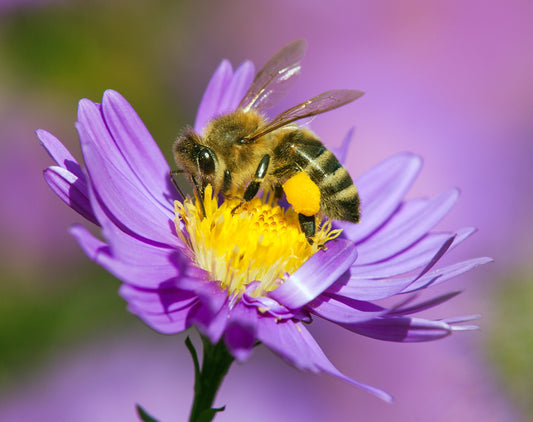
{"x": 340, "y": 199}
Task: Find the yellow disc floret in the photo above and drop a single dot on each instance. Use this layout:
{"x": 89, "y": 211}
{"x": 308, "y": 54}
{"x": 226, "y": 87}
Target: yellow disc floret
{"x": 303, "y": 194}
{"x": 238, "y": 243}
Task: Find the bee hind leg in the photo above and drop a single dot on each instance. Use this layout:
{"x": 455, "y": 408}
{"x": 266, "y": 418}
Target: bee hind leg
{"x": 307, "y": 224}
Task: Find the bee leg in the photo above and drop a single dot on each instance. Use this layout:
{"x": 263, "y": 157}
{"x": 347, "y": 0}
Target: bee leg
{"x": 255, "y": 184}
{"x": 278, "y": 192}
{"x": 307, "y": 224}
{"x": 226, "y": 185}
{"x": 260, "y": 174}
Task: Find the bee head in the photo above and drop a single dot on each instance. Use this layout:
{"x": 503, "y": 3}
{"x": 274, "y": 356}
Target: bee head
{"x": 197, "y": 160}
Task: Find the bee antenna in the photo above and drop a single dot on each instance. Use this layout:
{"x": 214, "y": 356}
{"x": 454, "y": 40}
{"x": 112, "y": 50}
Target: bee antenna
{"x": 173, "y": 174}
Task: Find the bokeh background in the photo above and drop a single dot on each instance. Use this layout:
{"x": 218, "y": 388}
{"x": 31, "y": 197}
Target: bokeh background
{"x": 451, "y": 81}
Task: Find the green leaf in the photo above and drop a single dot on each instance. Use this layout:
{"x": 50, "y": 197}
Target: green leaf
{"x": 145, "y": 416}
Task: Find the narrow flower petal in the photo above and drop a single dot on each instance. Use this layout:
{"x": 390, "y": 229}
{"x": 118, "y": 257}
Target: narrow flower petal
{"x": 294, "y": 344}
{"x": 240, "y": 82}
{"x": 382, "y": 189}
{"x": 129, "y": 206}
{"x": 389, "y": 242}
{"x": 141, "y": 274}
{"x": 341, "y": 151}
{"x": 328, "y": 367}
{"x": 460, "y": 320}
{"x": 266, "y": 304}
{"x": 370, "y": 289}
{"x": 132, "y": 250}
{"x": 422, "y": 306}
{"x": 401, "y": 329}
{"x": 212, "y": 96}
{"x": 211, "y": 324}
{"x": 171, "y": 322}
{"x": 241, "y": 330}
{"x": 138, "y": 147}
{"x": 316, "y": 275}
{"x": 59, "y": 153}
{"x": 157, "y": 301}
{"x": 92, "y": 246}
{"x": 414, "y": 257}
{"x": 93, "y": 130}
{"x": 442, "y": 274}
{"x": 344, "y": 310}
{"x": 71, "y": 189}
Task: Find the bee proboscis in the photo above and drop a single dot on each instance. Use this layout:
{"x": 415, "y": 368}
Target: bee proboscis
{"x": 245, "y": 151}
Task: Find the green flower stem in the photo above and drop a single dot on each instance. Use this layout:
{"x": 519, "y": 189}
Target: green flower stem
{"x": 215, "y": 365}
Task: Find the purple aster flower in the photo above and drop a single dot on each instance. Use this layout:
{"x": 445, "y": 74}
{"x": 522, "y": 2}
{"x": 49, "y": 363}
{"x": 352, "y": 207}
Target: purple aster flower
{"x": 235, "y": 277}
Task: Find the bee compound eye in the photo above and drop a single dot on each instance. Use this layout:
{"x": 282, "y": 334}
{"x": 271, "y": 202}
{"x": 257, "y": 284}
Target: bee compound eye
{"x": 206, "y": 161}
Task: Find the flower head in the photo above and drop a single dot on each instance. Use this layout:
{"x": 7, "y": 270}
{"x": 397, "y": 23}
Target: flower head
{"x": 260, "y": 244}
{"x": 249, "y": 274}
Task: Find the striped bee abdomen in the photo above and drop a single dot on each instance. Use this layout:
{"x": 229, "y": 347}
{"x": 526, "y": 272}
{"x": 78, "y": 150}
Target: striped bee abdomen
{"x": 339, "y": 197}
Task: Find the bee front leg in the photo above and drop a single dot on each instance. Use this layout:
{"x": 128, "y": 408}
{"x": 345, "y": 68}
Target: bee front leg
{"x": 260, "y": 174}
{"x": 255, "y": 184}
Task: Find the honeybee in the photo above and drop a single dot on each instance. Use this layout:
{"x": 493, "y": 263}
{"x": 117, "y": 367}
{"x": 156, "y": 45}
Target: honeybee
{"x": 245, "y": 151}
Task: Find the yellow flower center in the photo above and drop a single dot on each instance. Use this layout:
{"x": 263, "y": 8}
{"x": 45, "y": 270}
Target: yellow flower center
{"x": 241, "y": 243}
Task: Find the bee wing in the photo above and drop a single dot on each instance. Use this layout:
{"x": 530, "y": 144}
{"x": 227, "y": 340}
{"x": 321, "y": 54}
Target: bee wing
{"x": 275, "y": 78}
{"x": 326, "y": 101}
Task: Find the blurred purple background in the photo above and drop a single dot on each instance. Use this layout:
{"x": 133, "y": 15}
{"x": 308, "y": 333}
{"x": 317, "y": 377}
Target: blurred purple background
{"x": 451, "y": 81}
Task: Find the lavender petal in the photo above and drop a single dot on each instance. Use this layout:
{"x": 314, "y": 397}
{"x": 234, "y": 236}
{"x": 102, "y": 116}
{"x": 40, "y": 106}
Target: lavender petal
{"x": 295, "y": 344}
{"x": 419, "y": 307}
{"x": 401, "y": 329}
{"x": 71, "y": 189}
{"x": 167, "y": 323}
{"x": 356, "y": 288}
{"x": 157, "y": 301}
{"x": 341, "y": 151}
{"x": 142, "y": 274}
{"x": 138, "y": 147}
{"x": 316, "y": 275}
{"x": 240, "y": 82}
{"x": 211, "y": 324}
{"x": 388, "y": 242}
{"x": 381, "y": 189}
{"x": 120, "y": 196}
{"x": 59, "y": 153}
{"x": 442, "y": 274}
{"x": 240, "y": 333}
{"x": 212, "y": 96}
{"x": 344, "y": 310}
{"x": 414, "y": 257}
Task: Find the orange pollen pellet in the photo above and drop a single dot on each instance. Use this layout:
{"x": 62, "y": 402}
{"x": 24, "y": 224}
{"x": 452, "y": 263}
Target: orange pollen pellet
{"x": 303, "y": 194}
